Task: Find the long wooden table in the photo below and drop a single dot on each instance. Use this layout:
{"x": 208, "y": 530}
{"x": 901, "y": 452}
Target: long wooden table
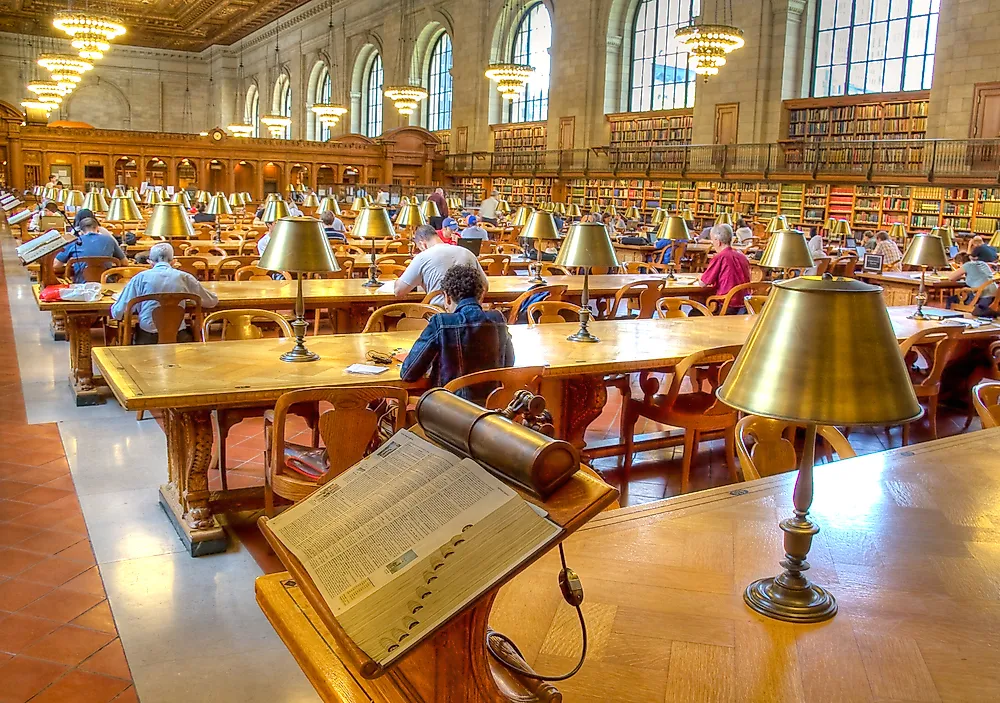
{"x": 348, "y": 300}
{"x": 900, "y": 287}
{"x": 908, "y": 545}
{"x": 187, "y": 381}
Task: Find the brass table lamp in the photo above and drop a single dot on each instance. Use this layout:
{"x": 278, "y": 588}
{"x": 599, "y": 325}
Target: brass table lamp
{"x": 299, "y": 245}
{"x": 429, "y": 209}
{"x": 236, "y": 200}
{"x": 925, "y": 250}
{"x": 898, "y": 232}
{"x": 168, "y": 221}
{"x": 521, "y": 216}
{"x": 946, "y": 234}
{"x": 687, "y": 215}
{"x": 329, "y": 204}
{"x": 74, "y": 200}
{"x": 218, "y": 205}
{"x": 541, "y": 227}
{"x": 310, "y": 201}
{"x": 632, "y": 213}
{"x": 586, "y": 245}
{"x": 373, "y": 223}
{"x": 559, "y": 208}
{"x": 659, "y": 214}
{"x": 776, "y": 223}
{"x": 612, "y": 211}
{"x": 831, "y": 227}
{"x": 675, "y": 229}
{"x": 359, "y": 204}
{"x": 204, "y": 197}
{"x": 844, "y": 230}
{"x": 181, "y": 197}
{"x": 410, "y": 216}
{"x": 503, "y": 207}
{"x": 822, "y": 353}
{"x": 275, "y": 210}
{"x": 787, "y": 249}
{"x": 123, "y": 209}
{"x": 724, "y": 218}
{"x": 95, "y": 202}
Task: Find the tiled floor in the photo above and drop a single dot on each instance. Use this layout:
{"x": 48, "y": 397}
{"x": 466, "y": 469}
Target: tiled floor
{"x": 58, "y": 641}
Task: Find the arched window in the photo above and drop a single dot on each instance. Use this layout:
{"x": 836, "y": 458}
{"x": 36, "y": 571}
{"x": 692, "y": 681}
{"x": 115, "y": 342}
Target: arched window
{"x": 440, "y": 86}
{"x": 371, "y": 121}
{"x": 324, "y": 94}
{"x": 532, "y": 41}
{"x": 874, "y": 46}
{"x": 283, "y": 102}
{"x": 659, "y": 78}
{"x": 251, "y": 110}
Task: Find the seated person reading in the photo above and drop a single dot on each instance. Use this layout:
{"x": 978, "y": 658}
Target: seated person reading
{"x": 91, "y": 242}
{"x": 432, "y": 263}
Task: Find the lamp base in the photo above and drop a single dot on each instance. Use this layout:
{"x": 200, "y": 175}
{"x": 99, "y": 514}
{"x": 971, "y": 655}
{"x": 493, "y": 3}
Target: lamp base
{"x": 371, "y": 283}
{"x": 918, "y": 315}
{"x": 299, "y": 353}
{"x": 805, "y": 604}
{"x": 583, "y": 335}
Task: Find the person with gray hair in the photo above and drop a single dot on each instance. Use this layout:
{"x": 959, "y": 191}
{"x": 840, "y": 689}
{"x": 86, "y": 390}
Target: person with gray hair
{"x": 727, "y": 269}
{"x": 161, "y": 278}
{"x": 435, "y": 259}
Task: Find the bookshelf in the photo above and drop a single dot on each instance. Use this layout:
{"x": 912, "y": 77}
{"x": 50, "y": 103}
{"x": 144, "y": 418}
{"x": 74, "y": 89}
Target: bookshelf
{"x": 636, "y": 131}
{"x": 860, "y": 117}
{"x": 522, "y": 191}
{"x": 445, "y": 146}
{"x": 510, "y": 138}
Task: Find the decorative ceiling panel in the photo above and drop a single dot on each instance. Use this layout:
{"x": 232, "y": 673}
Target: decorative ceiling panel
{"x": 185, "y": 25}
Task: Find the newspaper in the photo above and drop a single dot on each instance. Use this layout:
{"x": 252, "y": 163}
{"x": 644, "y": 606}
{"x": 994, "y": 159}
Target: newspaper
{"x": 407, "y": 538}
{"x": 51, "y": 241}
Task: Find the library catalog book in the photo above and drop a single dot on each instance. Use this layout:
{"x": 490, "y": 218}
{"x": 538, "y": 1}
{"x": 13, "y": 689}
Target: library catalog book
{"x": 407, "y": 538}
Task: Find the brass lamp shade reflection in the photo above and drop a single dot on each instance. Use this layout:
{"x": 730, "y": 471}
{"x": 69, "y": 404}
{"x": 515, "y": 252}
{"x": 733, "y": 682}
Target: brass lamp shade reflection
{"x": 587, "y": 245}
{"x": 310, "y": 201}
{"x": 822, "y": 353}
{"x": 74, "y": 199}
{"x": 429, "y": 209}
{"x": 779, "y": 222}
{"x": 123, "y": 209}
{"x": 328, "y": 204}
{"x": 522, "y": 216}
{"x": 219, "y": 206}
{"x": 410, "y": 216}
{"x": 274, "y": 210}
{"x": 359, "y": 204}
{"x": 169, "y": 220}
{"x": 299, "y": 245}
{"x": 787, "y": 249}
{"x": 95, "y": 202}
{"x": 898, "y": 232}
{"x": 724, "y": 218}
{"x": 674, "y": 228}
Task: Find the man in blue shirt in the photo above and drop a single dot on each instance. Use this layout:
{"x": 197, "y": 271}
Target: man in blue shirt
{"x": 91, "y": 242}
{"x": 464, "y": 340}
{"x": 474, "y": 231}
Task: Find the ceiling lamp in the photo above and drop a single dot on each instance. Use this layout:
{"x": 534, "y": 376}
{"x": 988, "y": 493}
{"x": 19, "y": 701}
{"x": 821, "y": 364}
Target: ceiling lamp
{"x": 511, "y": 78}
{"x": 406, "y": 98}
{"x": 276, "y": 124}
{"x": 47, "y": 91}
{"x": 32, "y": 104}
{"x": 240, "y": 129}
{"x": 90, "y": 34}
{"x": 329, "y": 113}
{"x": 708, "y": 44}
{"x": 66, "y": 70}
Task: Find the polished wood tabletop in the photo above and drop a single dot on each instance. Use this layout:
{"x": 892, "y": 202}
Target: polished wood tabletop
{"x": 230, "y": 373}
{"x": 910, "y": 278}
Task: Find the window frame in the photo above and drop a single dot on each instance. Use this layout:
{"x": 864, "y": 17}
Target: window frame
{"x": 369, "y": 127}
{"x": 690, "y": 85}
{"x": 520, "y": 109}
{"x": 324, "y": 94}
{"x": 439, "y": 118}
{"x": 251, "y": 110}
{"x": 285, "y": 103}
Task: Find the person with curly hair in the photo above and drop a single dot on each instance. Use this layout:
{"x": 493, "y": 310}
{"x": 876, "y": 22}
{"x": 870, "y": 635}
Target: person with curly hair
{"x": 463, "y": 340}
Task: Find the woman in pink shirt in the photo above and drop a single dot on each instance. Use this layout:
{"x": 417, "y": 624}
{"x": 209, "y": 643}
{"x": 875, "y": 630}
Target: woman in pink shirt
{"x": 729, "y": 268}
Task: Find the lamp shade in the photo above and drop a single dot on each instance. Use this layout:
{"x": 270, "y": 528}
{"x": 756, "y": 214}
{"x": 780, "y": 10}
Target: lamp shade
{"x": 541, "y": 225}
{"x": 123, "y": 209}
{"x": 559, "y": 208}
{"x": 181, "y": 197}
{"x": 926, "y": 250}
{"x": 897, "y": 231}
{"x": 429, "y": 209}
{"x": 824, "y": 352}
{"x": 521, "y": 216}
{"x": 298, "y": 244}
{"x": 504, "y": 207}
{"x": 687, "y": 215}
{"x": 787, "y": 249}
{"x": 410, "y": 216}
{"x": 328, "y": 204}
{"x": 946, "y": 234}
{"x": 776, "y": 223}
{"x": 169, "y": 220}
{"x": 831, "y": 225}
{"x": 274, "y": 210}
{"x": 107, "y": 194}
{"x": 359, "y": 204}
{"x": 673, "y": 228}
{"x": 632, "y": 213}
{"x": 310, "y": 201}
{"x": 588, "y": 245}
{"x": 204, "y": 196}
{"x": 844, "y": 229}
{"x": 724, "y": 218}
{"x": 235, "y": 200}
{"x": 219, "y": 205}
{"x": 95, "y": 202}
{"x": 659, "y": 214}
{"x": 612, "y": 211}
{"x": 373, "y": 223}
{"x": 74, "y": 199}
{"x": 573, "y": 210}
{"x": 151, "y": 197}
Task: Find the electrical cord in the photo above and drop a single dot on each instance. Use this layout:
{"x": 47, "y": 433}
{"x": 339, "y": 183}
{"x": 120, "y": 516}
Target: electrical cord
{"x": 572, "y": 590}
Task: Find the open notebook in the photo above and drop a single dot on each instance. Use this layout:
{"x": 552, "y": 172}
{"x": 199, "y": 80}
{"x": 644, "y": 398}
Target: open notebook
{"x": 407, "y": 538}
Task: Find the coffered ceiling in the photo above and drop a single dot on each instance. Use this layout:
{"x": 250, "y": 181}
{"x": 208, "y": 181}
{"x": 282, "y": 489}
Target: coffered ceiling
{"x": 186, "y": 25}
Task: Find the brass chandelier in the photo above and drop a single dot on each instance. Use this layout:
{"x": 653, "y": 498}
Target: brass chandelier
{"x": 406, "y": 97}
{"x": 329, "y": 113}
{"x": 66, "y": 70}
{"x": 241, "y": 130}
{"x": 511, "y": 78}
{"x": 90, "y": 34}
{"x": 276, "y": 123}
{"x": 708, "y": 44}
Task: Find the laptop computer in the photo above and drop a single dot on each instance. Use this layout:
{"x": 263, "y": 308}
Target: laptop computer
{"x": 473, "y": 245}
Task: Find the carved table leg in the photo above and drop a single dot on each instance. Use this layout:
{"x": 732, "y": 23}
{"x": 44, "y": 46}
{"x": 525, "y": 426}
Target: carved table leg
{"x": 574, "y": 403}
{"x": 186, "y": 498}
{"x": 57, "y": 325}
{"x": 81, "y": 374}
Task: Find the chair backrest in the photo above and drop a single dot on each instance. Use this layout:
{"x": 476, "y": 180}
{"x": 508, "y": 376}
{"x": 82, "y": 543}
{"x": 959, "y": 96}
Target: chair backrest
{"x": 845, "y": 265}
{"x": 91, "y": 267}
{"x": 944, "y": 339}
{"x": 197, "y": 266}
{"x": 346, "y": 271}
{"x": 120, "y": 274}
{"x": 397, "y": 259}
{"x": 391, "y": 270}
{"x": 986, "y": 399}
{"x": 206, "y": 248}
{"x": 238, "y": 324}
{"x": 741, "y": 291}
{"x": 495, "y": 264}
{"x": 256, "y": 273}
{"x": 644, "y": 268}
{"x": 349, "y": 429}
{"x": 168, "y": 316}
{"x": 549, "y": 269}
{"x": 669, "y": 308}
{"x": 511, "y": 249}
{"x": 995, "y": 361}
{"x": 430, "y": 297}
{"x": 534, "y": 295}
{"x": 348, "y": 250}
{"x": 226, "y": 269}
{"x": 400, "y": 316}
{"x": 721, "y": 358}
{"x": 552, "y": 311}
{"x": 974, "y": 301}
{"x": 823, "y": 264}
{"x": 770, "y": 452}
{"x": 507, "y": 382}
{"x": 755, "y": 303}
{"x": 396, "y": 247}
{"x": 644, "y": 295}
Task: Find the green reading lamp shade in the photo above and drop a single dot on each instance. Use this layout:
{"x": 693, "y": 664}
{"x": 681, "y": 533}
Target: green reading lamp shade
{"x": 787, "y": 249}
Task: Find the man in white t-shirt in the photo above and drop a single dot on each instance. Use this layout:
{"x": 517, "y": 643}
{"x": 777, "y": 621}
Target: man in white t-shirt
{"x": 488, "y": 208}
{"x": 428, "y": 268}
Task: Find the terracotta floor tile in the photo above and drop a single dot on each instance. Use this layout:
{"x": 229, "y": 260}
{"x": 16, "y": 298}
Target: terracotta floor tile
{"x": 110, "y": 661}
{"x": 13, "y": 561}
{"x": 10, "y": 509}
{"x": 23, "y": 677}
{"x": 11, "y": 489}
{"x": 75, "y": 524}
{"x": 54, "y": 571}
{"x": 64, "y": 482}
{"x": 43, "y": 495}
{"x": 81, "y": 552}
{"x": 68, "y": 645}
{"x": 17, "y": 631}
{"x": 62, "y": 605}
{"x": 82, "y": 687}
{"x": 15, "y": 534}
{"x": 15, "y": 594}
{"x": 97, "y": 618}
{"x": 50, "y": 542}
{"x": 89, "y": 581}
{"x": 48, "y": 517}
{"x": 127, "y": 696}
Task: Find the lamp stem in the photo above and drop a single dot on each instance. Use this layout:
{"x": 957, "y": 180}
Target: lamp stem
{"x": 583, "y": 334}
{"x": 790, "y": 596}
{"x": 921, "y": 297}
{"x": 299, "y": 327}
{"x": 372, "y": 281}
{"x": 538, "y": 270}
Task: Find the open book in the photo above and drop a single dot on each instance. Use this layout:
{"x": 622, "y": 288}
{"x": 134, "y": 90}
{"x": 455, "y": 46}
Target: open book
{"x": 407, "y": 538}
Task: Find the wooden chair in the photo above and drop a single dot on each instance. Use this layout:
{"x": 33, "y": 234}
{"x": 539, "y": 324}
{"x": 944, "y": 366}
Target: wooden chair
{"x": 509, "y": 249}
{"x": 495, "y": 264}
{"x": 204, "y": 249}
{"x": 400, "y": 317}
{"x": 120, "y": 274}
{"x": 720, "y": 304}
{"x": 695, "y": 412}
{"x": 552, "y": 311}
{"x": 256, "y": 273}
{"x": 986, "y": 400}
{"x": 513, "y": 310}
{"x": 845, "y": 266}
{"x": 672, "y": 308}
{"x": 197, "y": 266}
{"x": 995, "y": 361}
{"x": 974, "y": 301}
{"x": 550, "y": 269}
{"x": 506, "y": 383}
{"x": 396, "y": 248}
{"x": 397, "y": 259}
{"x": 238, "y": 324}
{"x": 351, "y": 430}
{"x": 769, "y": 450}
{"x": 390, "y": 271}
{"x": 641, "y": 306}
{"x": 429, "y": 298}
{"x": 248, "y": 247}
{"x": 226, "y": 269}
{"x": 936, "y": 346}
{"x": 93, "y": 267}
{"x": 755, "y": 304}
{"x": 348, "y": 251}
{"x": 644, "y": 268}
{"x": 168, "y": 316}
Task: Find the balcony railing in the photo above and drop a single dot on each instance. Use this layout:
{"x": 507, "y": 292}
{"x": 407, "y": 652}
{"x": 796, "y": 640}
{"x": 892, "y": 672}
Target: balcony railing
{"x": 912, "y": 159}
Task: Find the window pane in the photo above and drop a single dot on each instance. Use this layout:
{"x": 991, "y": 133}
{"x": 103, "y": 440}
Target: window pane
{"x": 840, "y": 45}
{"x": 826, "y": 14}
{"x": 859, "y": 48}
{"x": 918, "y": 36}
{"x": 440, "y": 85}
{"x": 921, "y": 7}
{"x": 657, "y": 59}
{"x": 844, "y": 13}
{"x": 857, "y": 82}
{"x": 897, "y": 39}
{"x": 893, "y": 75}
{"x": 824, "y": 49}
{"x": 822, "y": 84}
{"x": 898, "y": 9}
{"x": 880, "y": 10}
{"x": 914, "y": 73}
{"x": 879, "y": 35}
{"x": 928, "y": 72}
{"x": 873, "y": 83}
{"x": 532, "y": 44}
{"x": 838, "y": 80}
{"x": 862, "y": 11}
